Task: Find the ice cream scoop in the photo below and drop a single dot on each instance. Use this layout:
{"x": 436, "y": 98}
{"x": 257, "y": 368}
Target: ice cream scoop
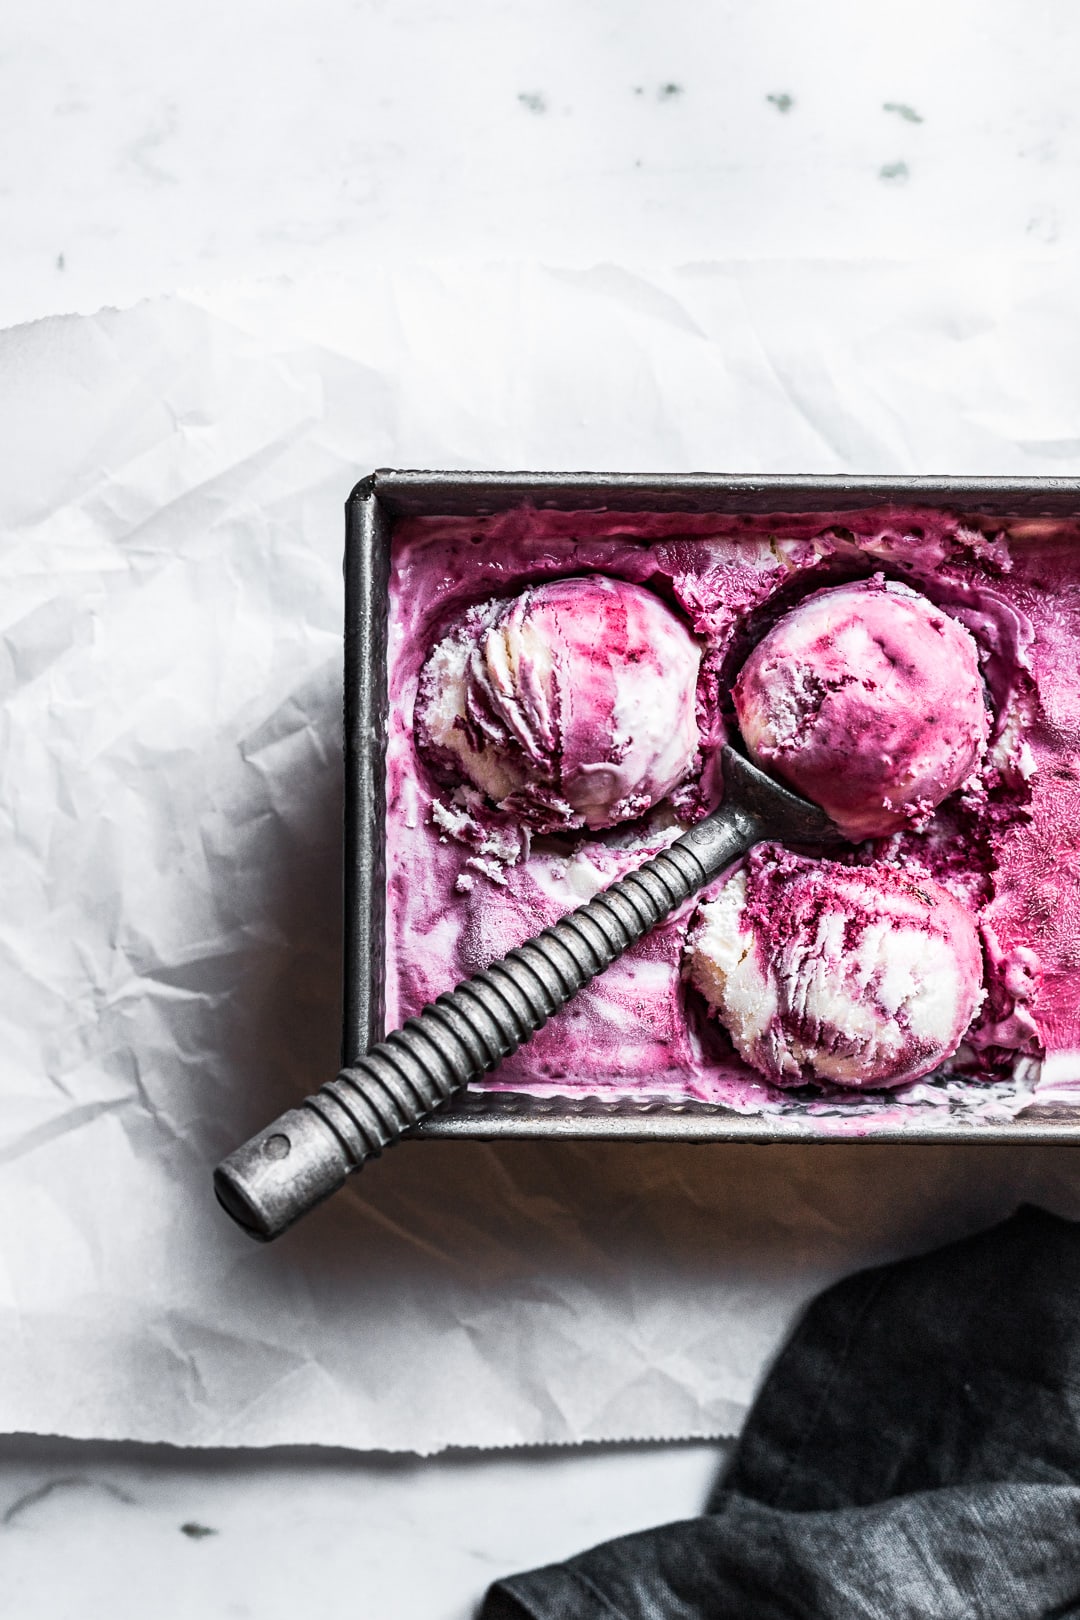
{"x": 851, "y": 975}
{"x": 866, "y": 698}
{"x": 570, "y": 705}
{"x": 305, "y": 1155}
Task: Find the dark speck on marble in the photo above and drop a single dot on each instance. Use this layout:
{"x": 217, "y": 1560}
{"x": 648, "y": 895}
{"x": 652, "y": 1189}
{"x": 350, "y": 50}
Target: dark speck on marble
{"x": 196, "y": 1532}
{"x": 667, "y": 92}
{"x": 782, "y": 101}
{"x": 533, "y": 101}
{"x": 902, "y": 110}
{"x": 60, "y": 261}
{"x": 896, "y": 172}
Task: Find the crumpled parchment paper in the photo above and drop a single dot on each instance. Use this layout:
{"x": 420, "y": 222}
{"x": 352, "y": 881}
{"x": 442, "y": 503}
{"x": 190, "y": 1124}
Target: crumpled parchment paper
{"x": 171, "y": 518}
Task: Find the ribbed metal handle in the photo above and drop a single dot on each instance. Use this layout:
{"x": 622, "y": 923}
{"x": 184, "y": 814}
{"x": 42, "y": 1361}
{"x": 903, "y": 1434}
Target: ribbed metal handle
{"x": 306, "y": 1154}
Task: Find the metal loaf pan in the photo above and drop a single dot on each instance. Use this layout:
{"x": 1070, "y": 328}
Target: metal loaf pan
{"x": 371, "y": 511}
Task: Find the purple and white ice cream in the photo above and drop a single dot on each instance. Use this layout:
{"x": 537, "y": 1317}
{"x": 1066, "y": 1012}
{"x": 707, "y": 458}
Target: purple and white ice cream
{"x": 572, "y": 704}
{"x": 846, "y": 975}
{"x": 465, "y": 882}
{"x": 868, "y": 699}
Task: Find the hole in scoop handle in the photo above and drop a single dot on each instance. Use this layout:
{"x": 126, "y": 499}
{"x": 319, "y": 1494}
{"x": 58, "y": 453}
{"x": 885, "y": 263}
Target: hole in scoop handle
{"x": 306, "y": 1154}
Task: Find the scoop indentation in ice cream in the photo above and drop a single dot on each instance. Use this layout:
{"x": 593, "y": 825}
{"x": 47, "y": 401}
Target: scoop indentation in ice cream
{"x": 572, "y": 704}
{"x": 846, "y": 975}
{"x": 867, "y": 699}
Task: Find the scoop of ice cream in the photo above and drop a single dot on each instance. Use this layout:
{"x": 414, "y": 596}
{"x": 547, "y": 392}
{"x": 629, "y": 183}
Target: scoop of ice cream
{"x": 570, "y": 705}
{"x": 867, "y": 699}
{"x": 846, "y": 975}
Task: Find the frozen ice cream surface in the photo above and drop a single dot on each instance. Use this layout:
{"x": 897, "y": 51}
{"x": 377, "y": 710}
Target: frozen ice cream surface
{"x": 464, "y": 882}
{"x": 569, "y": 705}
{"x": 847, "y": 975}
{"x": 868, "y": 699}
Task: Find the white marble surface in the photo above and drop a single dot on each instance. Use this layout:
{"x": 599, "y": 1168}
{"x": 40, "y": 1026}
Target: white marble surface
{"x": 145, "y": 147}
{"x": 132, "y": 1531}
{"x": 142, "y": 147}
